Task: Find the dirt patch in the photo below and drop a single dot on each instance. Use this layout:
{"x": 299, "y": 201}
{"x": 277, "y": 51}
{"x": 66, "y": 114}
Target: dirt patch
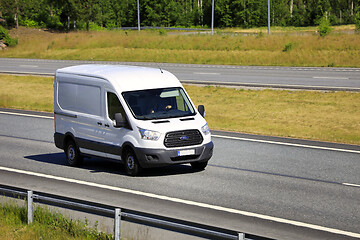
{"x": 26, "y": 33}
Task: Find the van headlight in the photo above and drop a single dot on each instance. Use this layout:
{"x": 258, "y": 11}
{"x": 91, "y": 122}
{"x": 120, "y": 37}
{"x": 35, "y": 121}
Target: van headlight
{"x": 205, "y": 129}
{"x": 148, "y": 134}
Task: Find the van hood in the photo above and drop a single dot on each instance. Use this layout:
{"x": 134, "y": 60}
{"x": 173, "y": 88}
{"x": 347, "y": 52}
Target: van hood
{"x": 172, "y": 124}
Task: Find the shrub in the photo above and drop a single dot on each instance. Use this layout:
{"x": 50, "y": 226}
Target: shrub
{"x": 324, "y": 27}
{"x": 288, "y": 47}
{"x": 11, "y": 42}
{"x": 110, "y": 25}
{"x": 162, "y": 32}
{"x": 260, "y": 34}
{"x": 94, "y": 27}
{"x": 29, "y": 23}
{"x": 357, "y": 22}
{"x": 54, "y": 23}
{"x": 4, "y": 35}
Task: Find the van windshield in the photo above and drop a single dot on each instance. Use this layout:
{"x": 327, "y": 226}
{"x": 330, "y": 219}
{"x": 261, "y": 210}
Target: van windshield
{"x": 159, "y": 103}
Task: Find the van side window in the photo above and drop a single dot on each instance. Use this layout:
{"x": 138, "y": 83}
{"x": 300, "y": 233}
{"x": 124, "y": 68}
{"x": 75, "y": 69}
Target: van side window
{"x": 72, "y": 97}
{"x": 114, "y": 105}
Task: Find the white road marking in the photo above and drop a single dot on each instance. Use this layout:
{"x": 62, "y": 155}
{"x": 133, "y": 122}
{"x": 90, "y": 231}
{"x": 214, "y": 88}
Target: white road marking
{"x": 187, "y": 202}
{"x": 26, "y": 115}
{"x": 28, "y": 73}
{"x": 29, "y": 66}
{"x": 204, "y": 73}
{"x": 286, "y": 144}
{"x": 265, "y": 85}
{"x": 351, "y": 185}
{"x": 337, "y": 78}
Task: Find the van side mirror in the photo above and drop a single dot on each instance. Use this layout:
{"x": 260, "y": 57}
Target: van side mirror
{"x": 201, "y": 110}
{"x": 120, "y": 121}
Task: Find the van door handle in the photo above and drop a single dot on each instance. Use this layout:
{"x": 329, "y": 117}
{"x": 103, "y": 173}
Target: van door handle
{"x": 107, "y": 125}
{"x": 99, "y": 123}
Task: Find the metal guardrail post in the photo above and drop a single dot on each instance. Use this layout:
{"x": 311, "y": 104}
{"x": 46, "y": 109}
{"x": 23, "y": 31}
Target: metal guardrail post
{"x": 241, "y": 236}
{"x": 30, "y": 207}
{"x": 117, "y": 223}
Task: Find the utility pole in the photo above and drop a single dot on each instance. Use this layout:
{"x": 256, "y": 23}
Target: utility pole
{"x": 138, "y": 10}
{"x": 212, "y": 18}
{"x": 269, "y": 17}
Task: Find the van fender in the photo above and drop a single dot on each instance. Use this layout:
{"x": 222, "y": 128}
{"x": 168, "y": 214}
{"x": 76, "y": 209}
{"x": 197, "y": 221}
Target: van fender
{"x": 126, "y": 147}
{"x": 61, "y": 139}
{"x": 69, "y": 136}
{"x": 130, "y": 139}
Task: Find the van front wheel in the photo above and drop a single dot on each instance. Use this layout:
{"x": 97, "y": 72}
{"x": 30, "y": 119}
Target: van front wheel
{"x": 72, "y": 152}
{"x": 131, "y": 164}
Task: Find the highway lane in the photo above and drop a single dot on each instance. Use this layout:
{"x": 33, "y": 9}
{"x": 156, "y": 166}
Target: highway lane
{"x": 251, "y": 76}
{"x": 287, "y": 182}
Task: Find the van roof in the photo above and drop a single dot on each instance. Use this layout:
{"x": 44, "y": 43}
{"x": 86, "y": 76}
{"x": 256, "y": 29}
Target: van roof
{"x": 124, "y": 77}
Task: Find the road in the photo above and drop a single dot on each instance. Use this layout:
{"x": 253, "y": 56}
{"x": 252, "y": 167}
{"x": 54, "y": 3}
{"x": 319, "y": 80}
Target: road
{"x": 273, "y": 187}
{"x": 245, "y": 76}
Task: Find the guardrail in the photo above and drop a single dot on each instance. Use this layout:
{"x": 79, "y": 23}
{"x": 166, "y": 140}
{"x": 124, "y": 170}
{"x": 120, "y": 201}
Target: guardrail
{"x": 121, "y": 214}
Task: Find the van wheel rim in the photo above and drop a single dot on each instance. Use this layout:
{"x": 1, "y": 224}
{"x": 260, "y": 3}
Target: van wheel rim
{"x": 130, "y": 162}
{"x": 71, "y": 154}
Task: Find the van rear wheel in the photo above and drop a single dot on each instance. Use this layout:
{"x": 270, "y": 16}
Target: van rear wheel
{"x": 131, "y": 163}
{"x": 73, "y": 156}
{"x": 199, "y": 165}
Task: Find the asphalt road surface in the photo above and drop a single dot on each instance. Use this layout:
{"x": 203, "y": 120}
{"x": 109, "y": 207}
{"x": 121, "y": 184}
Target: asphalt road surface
{"x": 245, "y": 76}
{"x": 272, "y": 187}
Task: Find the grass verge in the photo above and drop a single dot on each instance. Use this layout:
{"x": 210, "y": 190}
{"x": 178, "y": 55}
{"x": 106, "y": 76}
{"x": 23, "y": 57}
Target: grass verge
{"x": 315, "y": 115}
{"x": 307, "y": 49}
{"x": 46, "y": 225}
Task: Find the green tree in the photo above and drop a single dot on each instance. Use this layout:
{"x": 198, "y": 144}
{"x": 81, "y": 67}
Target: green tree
{"x": 10, "y": 9}
{"x": 238, "y": 13}
{"x": 228, "y": 13}
{"x": 171, "y": 14}
{"x": 317, "y": 9}
{"x": 280, "y": 13}
{"x": 86, "y": 11}
{"x": 298, "y": 16}
{"x": 223, "y": 13}
{"x": 357, "y": 20}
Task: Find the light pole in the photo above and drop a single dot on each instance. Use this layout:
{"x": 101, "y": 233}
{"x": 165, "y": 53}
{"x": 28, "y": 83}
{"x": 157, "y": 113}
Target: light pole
{"x": 212, "y": 18}
{"x": 269, "y": 17}
{"x": 138, "y": 8}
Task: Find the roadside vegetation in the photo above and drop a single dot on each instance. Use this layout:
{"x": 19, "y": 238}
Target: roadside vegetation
{"x": 47, "y": 225}
{"x": 337, "y": 49}
{"x": 109, "y": 14}
{"x": 6, "y": 39}
{"x": 316, "y": 115}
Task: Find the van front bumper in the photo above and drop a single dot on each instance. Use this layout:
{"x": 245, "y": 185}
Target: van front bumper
{"x": 162, "y": 157}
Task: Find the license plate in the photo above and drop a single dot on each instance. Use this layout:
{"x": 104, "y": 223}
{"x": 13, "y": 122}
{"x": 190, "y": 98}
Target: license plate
{"x": 186, "y": 152}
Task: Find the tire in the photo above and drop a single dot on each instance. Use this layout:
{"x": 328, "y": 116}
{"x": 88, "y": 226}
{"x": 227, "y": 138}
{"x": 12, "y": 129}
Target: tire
{"x": 199, "y": 165}
{"x": 131, "y": 163}
{"x": 73, "y": 156}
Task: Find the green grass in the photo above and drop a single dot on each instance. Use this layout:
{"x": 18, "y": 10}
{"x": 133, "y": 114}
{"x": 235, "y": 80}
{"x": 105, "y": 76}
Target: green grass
{"x": 46, "y": 225}
{"x": 27, "y": 92}
{"x": 325, "y": 116}
{"x": 290, "y": 30}
{"x": 337, "y": 50}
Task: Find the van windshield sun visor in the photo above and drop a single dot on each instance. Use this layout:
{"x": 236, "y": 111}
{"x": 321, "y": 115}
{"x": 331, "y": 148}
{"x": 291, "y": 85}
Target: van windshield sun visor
{"x": 159, "y": 103}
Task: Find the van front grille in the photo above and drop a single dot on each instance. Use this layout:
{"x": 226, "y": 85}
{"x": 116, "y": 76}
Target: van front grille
{"x": 183, "y": 138}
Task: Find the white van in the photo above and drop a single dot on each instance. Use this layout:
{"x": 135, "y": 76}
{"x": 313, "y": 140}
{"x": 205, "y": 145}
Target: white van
{"x": 141, "y": 116}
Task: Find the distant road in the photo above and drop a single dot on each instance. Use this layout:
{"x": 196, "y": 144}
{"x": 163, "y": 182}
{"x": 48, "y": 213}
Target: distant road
{"x": 245, "y": 76}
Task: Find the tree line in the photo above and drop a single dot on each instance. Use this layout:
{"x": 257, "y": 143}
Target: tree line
{"x": 93, "y": 14}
